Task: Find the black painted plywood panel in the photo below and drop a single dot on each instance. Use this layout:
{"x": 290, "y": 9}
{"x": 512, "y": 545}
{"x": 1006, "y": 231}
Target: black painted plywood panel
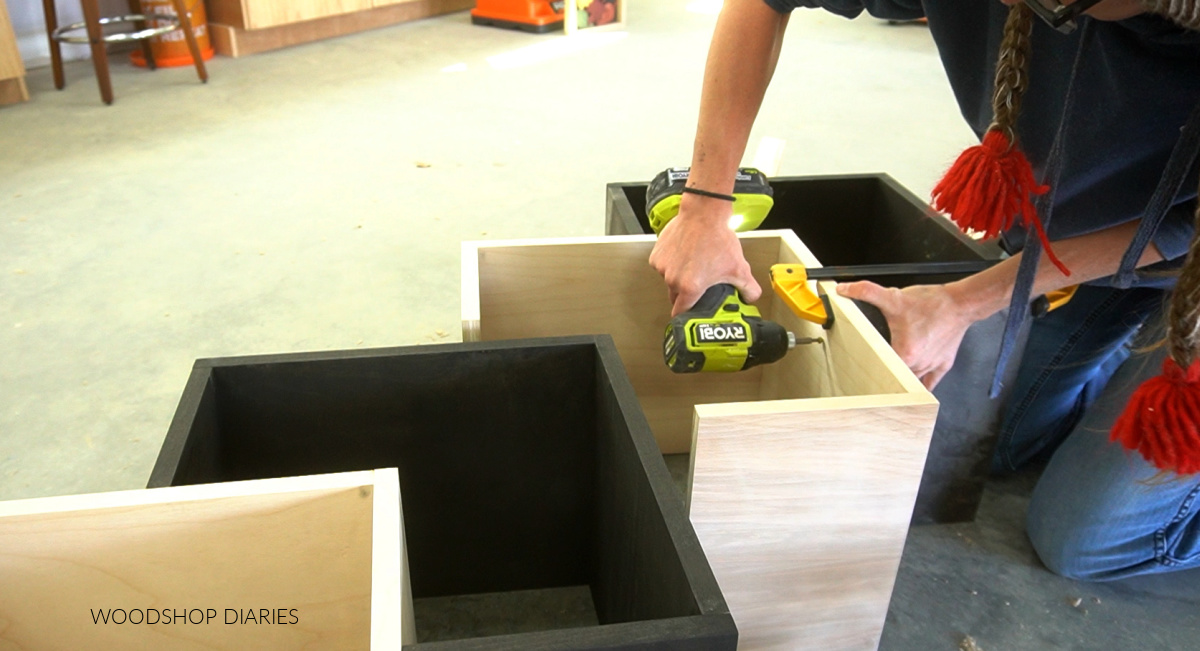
{"x": 523, "y": 465}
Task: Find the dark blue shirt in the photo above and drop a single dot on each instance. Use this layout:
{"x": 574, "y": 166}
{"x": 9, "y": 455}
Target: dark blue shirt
{"x": 1136, "y": 85}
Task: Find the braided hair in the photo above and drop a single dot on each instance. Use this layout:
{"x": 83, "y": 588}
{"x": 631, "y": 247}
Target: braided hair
{"x": 989, "y": 187}
{"x": 1162, "y": 418}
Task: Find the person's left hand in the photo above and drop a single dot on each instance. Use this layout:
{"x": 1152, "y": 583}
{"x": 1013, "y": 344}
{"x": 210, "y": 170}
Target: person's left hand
{"x": 927, "y": 324}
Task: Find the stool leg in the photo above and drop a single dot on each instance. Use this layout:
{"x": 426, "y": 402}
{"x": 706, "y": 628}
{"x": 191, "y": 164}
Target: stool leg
{"x": 135, "y": 7}
{"x": 91, "y": 14}
{"x": 55, "y": 50}
{"x": 185, "y": 23}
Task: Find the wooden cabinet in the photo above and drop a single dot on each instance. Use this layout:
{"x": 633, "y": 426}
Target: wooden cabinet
{"x": 241, "y": 27}
{"x": 803, "y": 472}
{"x": 258, "y": 14}
{"x": 12, "y": 70}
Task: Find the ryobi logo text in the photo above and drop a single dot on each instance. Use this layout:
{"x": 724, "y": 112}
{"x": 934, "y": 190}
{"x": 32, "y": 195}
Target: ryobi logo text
{"x": 720, "y": 333}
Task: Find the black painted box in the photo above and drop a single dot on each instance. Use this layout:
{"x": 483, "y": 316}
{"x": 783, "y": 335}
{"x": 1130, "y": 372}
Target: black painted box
{"x": 843, "y": 220}
{"x": 872, "y": 219}
{"x": 523, "y": 465}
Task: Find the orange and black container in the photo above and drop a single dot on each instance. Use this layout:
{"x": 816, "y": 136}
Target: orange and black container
{"x": 537, "y": 16}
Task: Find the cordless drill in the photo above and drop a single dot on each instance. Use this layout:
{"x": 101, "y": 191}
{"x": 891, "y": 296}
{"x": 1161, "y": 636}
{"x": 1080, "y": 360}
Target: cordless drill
{"x": 720, "y": 333}
{"x": 723, "y": 334}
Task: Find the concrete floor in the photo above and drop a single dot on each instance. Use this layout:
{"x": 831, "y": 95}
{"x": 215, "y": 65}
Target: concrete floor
{"x": 283, "y": 206}
{"x": 314, "y": 198}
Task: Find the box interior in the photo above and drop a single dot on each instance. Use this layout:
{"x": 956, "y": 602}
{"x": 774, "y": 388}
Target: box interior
{"x": 854, "y": 220}
{"x": 517, "y": 467}
{"x": 605, "y": 286}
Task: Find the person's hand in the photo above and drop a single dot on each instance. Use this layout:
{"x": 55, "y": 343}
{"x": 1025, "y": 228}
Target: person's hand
{"x": 697, "y": 250}
{"x": 927, "y": 324}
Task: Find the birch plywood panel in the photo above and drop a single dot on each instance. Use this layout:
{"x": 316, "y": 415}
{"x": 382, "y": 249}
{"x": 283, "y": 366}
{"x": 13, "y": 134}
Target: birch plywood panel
{"x": 201, "y": 567}
{"x": 536, "y": 288}
{"x": 802, "y": 508}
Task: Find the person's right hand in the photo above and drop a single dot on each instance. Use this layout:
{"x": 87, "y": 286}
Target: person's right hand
{"x": 697, "y": 250}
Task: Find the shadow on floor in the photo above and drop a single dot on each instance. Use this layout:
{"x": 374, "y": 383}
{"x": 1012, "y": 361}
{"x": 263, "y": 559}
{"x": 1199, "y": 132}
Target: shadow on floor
{"x": 982, "y": 579}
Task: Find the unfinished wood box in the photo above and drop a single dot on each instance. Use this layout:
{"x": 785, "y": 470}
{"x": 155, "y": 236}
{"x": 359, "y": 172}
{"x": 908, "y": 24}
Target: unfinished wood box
{"x": 281, "y": 564}
{"x": 871, "y": 219}
{"x": 803, "y": 472}
{"x": 522, "y": 465}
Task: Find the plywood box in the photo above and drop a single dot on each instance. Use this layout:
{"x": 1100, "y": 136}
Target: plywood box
{"x": 306, "y": 562}
{"x": 871, "y": 219}
{"x": 804, "y": 472}
{"x": 522, "y": 465}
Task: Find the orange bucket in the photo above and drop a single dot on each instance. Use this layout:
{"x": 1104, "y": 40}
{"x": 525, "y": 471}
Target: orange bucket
{"x": 171, "y": 49}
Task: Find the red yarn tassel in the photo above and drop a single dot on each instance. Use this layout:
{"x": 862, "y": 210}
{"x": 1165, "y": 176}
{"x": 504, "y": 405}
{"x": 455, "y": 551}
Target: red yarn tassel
{"x": 988, "y": 186}
{"x": 1162, "y": 419}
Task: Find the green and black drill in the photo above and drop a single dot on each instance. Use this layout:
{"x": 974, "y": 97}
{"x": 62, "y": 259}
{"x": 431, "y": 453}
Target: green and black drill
{"x": 720, "y": 333}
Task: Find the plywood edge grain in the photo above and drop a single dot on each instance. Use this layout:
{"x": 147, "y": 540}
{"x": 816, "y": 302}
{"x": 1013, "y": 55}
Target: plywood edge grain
{"x": 234, "y": 41}
{"x": 605, "y": 240}
{"x": 175, "y": 494}
{"x": 804, "y": 405}
{"x": 470, "y": 292}
{"x": 392, "y": 623}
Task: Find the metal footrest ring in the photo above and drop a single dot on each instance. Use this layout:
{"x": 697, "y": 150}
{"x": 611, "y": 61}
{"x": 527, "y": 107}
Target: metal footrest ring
{"x": 61, "y": 34}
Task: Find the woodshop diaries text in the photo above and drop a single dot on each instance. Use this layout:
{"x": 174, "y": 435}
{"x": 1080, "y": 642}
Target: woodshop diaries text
{"x": 194, "y": 616}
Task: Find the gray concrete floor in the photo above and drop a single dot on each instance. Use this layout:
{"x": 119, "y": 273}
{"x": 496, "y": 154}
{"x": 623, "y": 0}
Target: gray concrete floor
{"x": 314, "y": 198}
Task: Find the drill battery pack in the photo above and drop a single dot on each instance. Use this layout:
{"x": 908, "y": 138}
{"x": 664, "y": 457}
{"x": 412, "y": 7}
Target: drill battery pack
{"x": 537, "y": 16}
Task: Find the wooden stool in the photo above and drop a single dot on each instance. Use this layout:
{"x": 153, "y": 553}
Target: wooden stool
{"x": 93, "y": 23}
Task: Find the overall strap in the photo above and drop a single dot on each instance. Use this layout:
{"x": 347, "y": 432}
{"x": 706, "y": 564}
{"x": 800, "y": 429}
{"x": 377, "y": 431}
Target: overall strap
{"x": 1182, "y": 157}
{"x": 1018, "y": 307}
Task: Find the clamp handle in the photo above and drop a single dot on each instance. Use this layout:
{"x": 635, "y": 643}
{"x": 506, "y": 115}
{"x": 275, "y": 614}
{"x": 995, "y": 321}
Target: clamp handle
{"x": 790, "y": 282}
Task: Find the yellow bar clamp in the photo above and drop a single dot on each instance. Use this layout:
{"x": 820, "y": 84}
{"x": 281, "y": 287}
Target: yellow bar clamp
{"x": 790, "y": 282}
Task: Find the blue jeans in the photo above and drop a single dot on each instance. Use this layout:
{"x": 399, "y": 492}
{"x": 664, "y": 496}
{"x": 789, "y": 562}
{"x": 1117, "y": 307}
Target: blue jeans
{"x": 1098, "y": 512}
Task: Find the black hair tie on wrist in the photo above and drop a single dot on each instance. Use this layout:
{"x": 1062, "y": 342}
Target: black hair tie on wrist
{"x": 713, "y": 195}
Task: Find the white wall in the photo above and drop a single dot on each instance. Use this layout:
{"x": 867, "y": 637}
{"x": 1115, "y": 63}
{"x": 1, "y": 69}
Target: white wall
{"x": 29, "y": 22}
